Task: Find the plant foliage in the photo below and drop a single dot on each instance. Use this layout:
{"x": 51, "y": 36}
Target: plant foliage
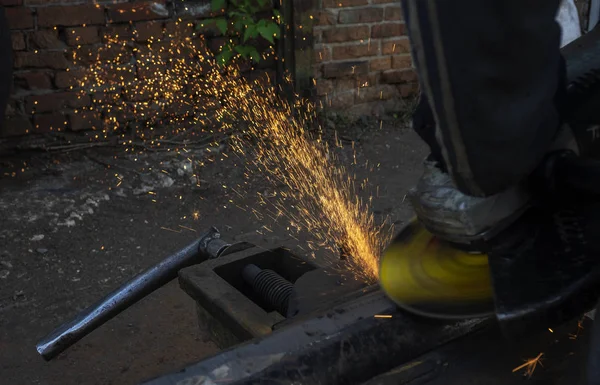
{"x": 241, "y": 20}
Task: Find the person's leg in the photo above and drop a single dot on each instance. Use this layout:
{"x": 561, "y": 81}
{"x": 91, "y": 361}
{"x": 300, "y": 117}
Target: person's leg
{"x": 491, "y": 71}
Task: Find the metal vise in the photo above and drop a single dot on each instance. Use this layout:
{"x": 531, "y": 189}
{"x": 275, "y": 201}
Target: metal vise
{"x": 208, "y": 246}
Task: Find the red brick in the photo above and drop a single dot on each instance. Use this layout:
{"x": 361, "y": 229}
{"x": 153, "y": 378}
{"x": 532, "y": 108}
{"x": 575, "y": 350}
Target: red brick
{"x": 343, "y": 100}
{"x": 44, "y": 123}
{"x": 82, "y": 35}
{"x": 388, "y": 30}
{"x": 322, "y": 54}
{"x": 362, "y": 109}
{"x": 344, "y": 3}
{"x": 72, "y": 15}
{"x": 344, "y": 85}
{"x": 401, "y": 62}
{"x": 106, "y": 98}
{"x": 8, "y": 3}
{"x": 372, "y": 94}
{"x": 395, "y": 47}
{"x": 358, "y": 16}
{"x": 151, "y": 71}
{"x": 50, "y": 2}
{"x": 324, "y": 18}
{"x": 45, "y": 39}
{"x": 19, "y": 18}
{"x": 41, "y": 59}
{"x": 147, "y": 30}
{"x": 345, "y": 69}
{"x": 342, "y": 34}
{"x": 122, "y": 75}
{"x": 324, "y": 87}
{"x": 126, "y": 116}
{"x": 369, "y": 80}
{"x": 137, "y": 91}
{"x": 117, "y": 32}
{"x": 140, "y": 10}
{"x": 85, "y": 120}
{"x": 353, "y": 51}
{"x": 115, "y": 54}
{"x": 186, "y": 29}
{"x": 393, "y": 13}
{"x": 56, "y": 101}
{"x": 33, "y": 80}
{"x": 67, "y": 79}
{"x": 399, "y": 76}
{"x": 407, "y": 90}
{"x": 18, "y": 41}
{"x": 42, "y": 103}
{"x": 380, "y": 63}
{"x": 16, "y": 126}
{"x": 162, "y": 50}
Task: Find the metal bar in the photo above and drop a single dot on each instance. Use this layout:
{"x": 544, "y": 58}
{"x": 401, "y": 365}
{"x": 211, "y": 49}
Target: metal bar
{"x": 344, "y": 344}
{"x": 208, "y": 246}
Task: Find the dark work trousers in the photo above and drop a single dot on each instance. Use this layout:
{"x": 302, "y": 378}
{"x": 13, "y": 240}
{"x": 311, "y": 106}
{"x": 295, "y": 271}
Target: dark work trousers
{"x": 492, "y": 81}
{"x": 5, "y": 65}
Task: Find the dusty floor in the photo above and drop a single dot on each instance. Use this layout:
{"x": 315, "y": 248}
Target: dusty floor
{"x": 68, "y": 235}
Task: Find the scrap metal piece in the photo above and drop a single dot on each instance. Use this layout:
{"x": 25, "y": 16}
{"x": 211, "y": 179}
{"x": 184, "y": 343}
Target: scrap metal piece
{"x": 345, "y": 344}
{"x": 208, "y": 246}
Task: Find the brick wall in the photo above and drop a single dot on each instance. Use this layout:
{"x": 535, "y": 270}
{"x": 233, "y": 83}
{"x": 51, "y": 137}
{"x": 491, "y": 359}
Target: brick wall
{"x": 46, "y": 32}
{"x": 361, "y": 50}
{"x": 362, "y": 56}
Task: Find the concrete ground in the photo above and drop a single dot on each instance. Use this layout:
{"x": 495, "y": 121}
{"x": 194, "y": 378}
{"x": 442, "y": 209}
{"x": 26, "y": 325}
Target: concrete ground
{"x": 76, "y": 225}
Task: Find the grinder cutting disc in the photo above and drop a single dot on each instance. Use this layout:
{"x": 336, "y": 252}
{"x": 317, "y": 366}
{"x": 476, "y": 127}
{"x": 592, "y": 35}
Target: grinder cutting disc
{"x": 429, "y": 277}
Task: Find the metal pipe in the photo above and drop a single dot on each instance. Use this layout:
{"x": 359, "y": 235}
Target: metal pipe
{"x": 344, "y": 344}
{"x": 208, "y": 246}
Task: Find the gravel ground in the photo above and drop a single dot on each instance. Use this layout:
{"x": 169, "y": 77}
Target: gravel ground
{"x": 76, "y": 225}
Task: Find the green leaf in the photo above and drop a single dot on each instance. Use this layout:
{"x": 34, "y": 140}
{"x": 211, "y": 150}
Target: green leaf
{"x": 221, "y": 24}
{"x": 239, "y": 14}
{"x": 253, "y": 53}
{"x": 239, "y": 24}
{"x": 262, "y": 3}
{"x": 269, "y": 31}
{"x": 250, "y": 33}
{"x": 225, "y": 56}
{"x": 244, "y": 50}
{"x": 217, "y": 5}
{"x": 276, "y": 13}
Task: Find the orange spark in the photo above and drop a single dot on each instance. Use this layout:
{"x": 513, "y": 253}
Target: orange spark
{"x": 530, "y": 365}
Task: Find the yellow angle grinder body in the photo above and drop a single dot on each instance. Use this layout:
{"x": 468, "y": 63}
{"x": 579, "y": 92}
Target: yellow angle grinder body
{"x": 433, "y": 278}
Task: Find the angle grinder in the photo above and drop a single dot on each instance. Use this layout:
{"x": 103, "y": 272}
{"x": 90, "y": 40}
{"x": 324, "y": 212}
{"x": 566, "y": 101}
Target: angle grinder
{"x": 439, "y": 265}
